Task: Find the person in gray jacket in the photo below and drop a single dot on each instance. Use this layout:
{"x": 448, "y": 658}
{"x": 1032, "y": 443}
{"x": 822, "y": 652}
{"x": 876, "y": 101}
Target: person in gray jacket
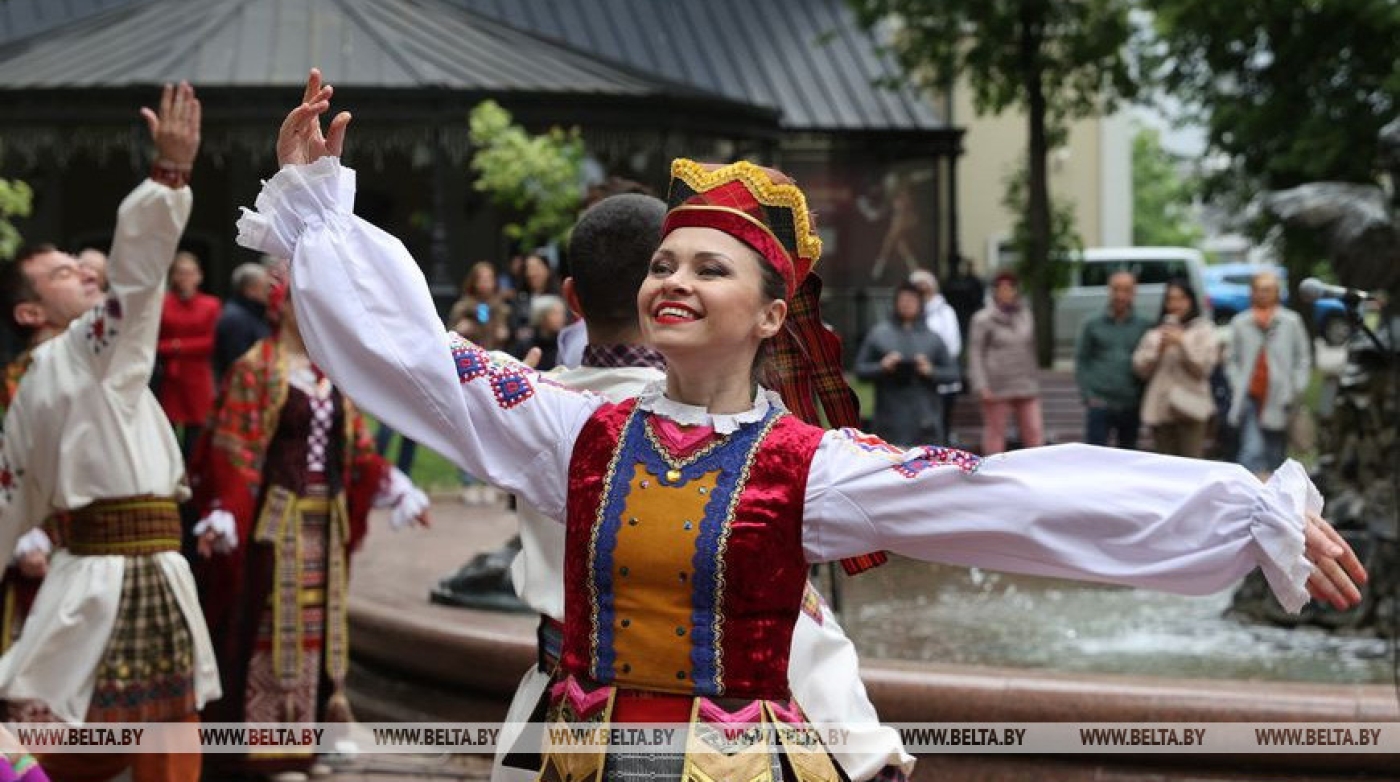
{"x": 907, "y": 363}
{"x": 1268, "y": 366}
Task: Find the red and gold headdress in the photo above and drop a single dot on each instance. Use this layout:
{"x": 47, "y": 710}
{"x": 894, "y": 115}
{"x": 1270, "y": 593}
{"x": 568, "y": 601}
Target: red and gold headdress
{"x": 764, "y": 209}
{"x": 759, "y": 206}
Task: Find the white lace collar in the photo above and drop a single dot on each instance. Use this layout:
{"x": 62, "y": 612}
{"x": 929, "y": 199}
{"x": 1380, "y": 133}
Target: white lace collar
{"x": 653, "y": 400}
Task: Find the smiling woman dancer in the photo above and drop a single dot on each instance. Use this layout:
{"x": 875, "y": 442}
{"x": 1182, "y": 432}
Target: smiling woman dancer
{"x": 693, "y": 511}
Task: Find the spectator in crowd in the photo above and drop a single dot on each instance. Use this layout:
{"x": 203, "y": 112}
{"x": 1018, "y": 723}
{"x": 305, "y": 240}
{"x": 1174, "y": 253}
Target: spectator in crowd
{"x": 482, "y": 313}
{"x": 942, "y": 321}
{"x": 1224, "y": 438}
{"x": 244, "y": 318}
{"x": 1002, "y": 368}
{"x": 538, "y": 281}
{"x": 1176, "y": 358}
{"x": 408, "y": 449}
{"x": 512, "y": 278}
{"x": 547, "y": 315}
{"x": 1269, "y": 366}
{"x": 184, "y": 353}
{"x": 95, "y": 261}
{"x": 1103, "y": 367}
{"x": 965, "y": 293}
{"x": 907, "y": 362}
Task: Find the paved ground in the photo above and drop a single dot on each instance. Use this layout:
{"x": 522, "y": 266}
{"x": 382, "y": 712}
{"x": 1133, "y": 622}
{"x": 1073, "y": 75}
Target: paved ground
{"x": 387, "y": 767}
{"x": 457, "y": 533}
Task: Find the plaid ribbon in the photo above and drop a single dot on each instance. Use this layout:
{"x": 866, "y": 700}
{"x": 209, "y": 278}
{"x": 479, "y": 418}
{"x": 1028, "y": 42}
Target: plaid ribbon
{"x": 807, "y": 362}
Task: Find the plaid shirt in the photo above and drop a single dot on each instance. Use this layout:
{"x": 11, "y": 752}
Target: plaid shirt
{"x": 621, "y": 356}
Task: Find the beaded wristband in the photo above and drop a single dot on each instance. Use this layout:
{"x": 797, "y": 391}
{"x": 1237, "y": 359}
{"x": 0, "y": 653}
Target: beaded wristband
{"x": 170, "y": 176}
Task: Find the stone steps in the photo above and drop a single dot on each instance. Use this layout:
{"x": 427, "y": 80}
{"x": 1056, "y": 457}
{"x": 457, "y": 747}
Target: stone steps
{"x": 1061, "y": 409}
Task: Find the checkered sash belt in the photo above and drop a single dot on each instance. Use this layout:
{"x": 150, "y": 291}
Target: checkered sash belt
{"x": 130, "y": 526}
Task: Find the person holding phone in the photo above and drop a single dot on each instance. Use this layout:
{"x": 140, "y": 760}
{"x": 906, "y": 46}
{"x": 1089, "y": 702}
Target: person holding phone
{"x": 481, "y": 314}
{"x": 907, "y": 363}
{"x": 1175, "y": 358}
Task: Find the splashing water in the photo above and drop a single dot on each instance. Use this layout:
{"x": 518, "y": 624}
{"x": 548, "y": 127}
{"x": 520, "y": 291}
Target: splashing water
{"x": 915, "y": 611}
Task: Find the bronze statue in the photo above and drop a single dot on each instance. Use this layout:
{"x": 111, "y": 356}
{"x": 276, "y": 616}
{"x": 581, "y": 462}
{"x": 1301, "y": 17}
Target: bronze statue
{"x": 1359, "y": 432}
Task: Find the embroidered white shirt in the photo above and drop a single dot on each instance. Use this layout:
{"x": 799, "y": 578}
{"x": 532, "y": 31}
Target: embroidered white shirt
{"x": 84, "y": 426}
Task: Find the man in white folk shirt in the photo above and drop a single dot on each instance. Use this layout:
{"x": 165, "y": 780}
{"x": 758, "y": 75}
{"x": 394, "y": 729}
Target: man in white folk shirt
{"x": 85, "y": 437}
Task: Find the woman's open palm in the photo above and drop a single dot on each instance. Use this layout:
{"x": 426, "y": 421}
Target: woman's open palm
{"x": 300, "y": 140}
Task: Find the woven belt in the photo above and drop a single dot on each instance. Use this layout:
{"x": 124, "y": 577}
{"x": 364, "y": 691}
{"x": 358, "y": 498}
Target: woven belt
{"x": 130, "y": 526}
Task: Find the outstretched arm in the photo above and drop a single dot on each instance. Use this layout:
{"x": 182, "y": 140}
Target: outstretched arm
{"x": 369, "y": 322}
{"x": 1076, "y": 511}
{"x": 120, "y": 334}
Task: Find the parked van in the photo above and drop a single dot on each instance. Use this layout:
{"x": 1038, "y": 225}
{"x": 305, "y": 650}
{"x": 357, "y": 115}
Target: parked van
{"x": 1087, "y": 294}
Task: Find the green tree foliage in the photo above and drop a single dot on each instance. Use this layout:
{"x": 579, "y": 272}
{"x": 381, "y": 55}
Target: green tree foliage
{"x": 537, "y": 176}
{"x": 1055, "y": 59}
{"x": 1065, "y": 242}
{"x": 1291, "y": 92}
{"x": 1162, "y": 196}
{"x": 15, "y": 201}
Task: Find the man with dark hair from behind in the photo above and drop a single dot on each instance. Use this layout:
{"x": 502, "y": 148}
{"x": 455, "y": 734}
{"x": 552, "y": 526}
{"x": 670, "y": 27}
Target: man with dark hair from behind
{"x": 612, "y": 250}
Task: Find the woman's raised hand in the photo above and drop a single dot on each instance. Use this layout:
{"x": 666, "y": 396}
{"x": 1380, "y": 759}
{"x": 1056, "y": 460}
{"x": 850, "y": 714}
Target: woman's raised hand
{"x": 300, "y": 140}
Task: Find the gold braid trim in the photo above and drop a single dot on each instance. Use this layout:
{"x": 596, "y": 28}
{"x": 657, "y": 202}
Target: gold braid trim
{"x": 763, "y": 189}
{"x": 599, "y": 519}
{"x": 722, "y": 548}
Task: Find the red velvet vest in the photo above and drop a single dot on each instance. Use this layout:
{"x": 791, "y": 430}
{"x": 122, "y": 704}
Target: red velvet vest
{"x": 686, "y": 575}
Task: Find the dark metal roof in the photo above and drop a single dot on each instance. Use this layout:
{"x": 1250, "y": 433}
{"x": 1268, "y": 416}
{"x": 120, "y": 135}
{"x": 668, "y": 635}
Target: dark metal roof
{"x": 806, "y": 58}
{"x": 21, "y": 18}
{"x": 272, "y": 43}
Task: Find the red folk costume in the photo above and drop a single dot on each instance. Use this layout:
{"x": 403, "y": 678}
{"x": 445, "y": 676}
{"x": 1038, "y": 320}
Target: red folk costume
{"x": 684, "y": 570}
{"x": 298, "y": 473}
{"x": 185, "y": 352}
